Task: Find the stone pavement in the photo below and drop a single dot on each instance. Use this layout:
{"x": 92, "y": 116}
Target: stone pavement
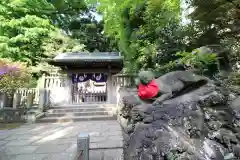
{"x": 58, "y": 141}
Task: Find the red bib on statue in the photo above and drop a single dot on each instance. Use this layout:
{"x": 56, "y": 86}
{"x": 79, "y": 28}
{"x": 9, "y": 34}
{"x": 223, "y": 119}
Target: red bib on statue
{"x": 148, "y": 91}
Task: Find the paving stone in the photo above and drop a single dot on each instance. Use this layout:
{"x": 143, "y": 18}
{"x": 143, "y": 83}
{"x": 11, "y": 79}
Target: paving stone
{"x": 59, "y": 141}
{"x": 5, "y": 157}
{"x": 52, "y": 148}
{"x": 10, "y": 138}
{"x": 94, "y": 134}
{"x": 112, "y": 133}
{"x": 61, "y": 156}
{"x": 29, "y": 157}
{"x": 22, "y": 131}
{"x": 110, "y": 144}
{"x": 2, "y": 148}
{"x": 93, "y": 145}
{"x": 98, "y": 139}
{"x": 20, "y": 150}
{"x": 48, "y": 132}
{"x": 56, "y": 141}
{"x": 106, "y": 154}
{"x": 3, "y": 136}
{"x": 113, "y": 127}
{"x": 113, "y": 154}
{"x": 3, "y": 131}
{"x": 72, "y": 135}
{"x": 72, "y": 148}
{"x": 2, "y": 142}
{"x": 18, "y": 142}
{"x": 96, "y": 155}
{"x": 31, "y": 138}
{"x": 115, "y": 138}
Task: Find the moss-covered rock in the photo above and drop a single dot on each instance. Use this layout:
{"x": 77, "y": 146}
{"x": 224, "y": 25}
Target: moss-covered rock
{"x": 196, "y": 125}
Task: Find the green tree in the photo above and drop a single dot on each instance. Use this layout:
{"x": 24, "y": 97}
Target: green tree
{"x": 136, "y": 26}
{"x": 217, "y": 22}
{"x": 27, "y": 32}
{"x": 58, "y": 11}
{"x": 89, "y": 31}
{"x": 22, "y": 38}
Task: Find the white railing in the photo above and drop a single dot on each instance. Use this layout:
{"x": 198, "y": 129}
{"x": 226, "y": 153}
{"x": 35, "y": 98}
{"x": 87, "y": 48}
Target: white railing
{"x": 31, "y": 96}
{"x": 89, "y": 97}
{"x": 24, "y": 93}
{"x": 26, "y": 97}
{"x": 123, "y": 80}
{"x": 54, "y": 81}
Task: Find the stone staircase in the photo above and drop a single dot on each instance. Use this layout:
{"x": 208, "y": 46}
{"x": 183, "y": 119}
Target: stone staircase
{"x": 69, "y": 113}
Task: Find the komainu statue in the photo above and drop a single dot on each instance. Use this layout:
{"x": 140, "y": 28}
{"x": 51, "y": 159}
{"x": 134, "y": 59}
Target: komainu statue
{"x": 167, "y": 86}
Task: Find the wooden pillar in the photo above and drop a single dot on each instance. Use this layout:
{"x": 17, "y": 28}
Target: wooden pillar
{"x": 3, "y": 100}
{"x": 109, "y": 87}
{"x": 42, "y": 93}
{"x": 68, "y": 87}
{"x": 16, "y": 99}
{"x": 42, "y": 99}
{"x": 30, "y": 99}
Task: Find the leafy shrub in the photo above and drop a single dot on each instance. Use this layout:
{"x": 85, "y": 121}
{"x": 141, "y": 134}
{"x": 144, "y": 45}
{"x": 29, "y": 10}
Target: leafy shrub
{"x": 204, "y": 64}
{"x": 170, "y": 66}
{"x": 13, "y": 75}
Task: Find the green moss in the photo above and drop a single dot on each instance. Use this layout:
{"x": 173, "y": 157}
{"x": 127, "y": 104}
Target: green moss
{"x": 5, "y": 126}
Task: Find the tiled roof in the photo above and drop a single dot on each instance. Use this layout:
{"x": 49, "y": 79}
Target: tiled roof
{"x": 85, "y": 56}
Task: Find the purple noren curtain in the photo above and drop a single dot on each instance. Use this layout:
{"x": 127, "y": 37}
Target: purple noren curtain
{"x": 97, "y": 77}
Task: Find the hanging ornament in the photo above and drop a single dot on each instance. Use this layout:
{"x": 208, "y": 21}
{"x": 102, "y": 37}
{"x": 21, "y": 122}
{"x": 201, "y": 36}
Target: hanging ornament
{"x": 82, "y": 78}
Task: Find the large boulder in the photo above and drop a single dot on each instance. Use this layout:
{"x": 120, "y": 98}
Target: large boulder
{"x": 198, "y": 125}
{"x": 235, "y": 106}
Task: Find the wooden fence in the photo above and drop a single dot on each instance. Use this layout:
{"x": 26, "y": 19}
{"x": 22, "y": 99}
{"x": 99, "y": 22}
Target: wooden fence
{"x": 123, "y": 80}
{"x": 89, "y": 97}
{"x": 54, "y": 81}
{"x": 31, "y": 96}
{"x": 28, "y": 94}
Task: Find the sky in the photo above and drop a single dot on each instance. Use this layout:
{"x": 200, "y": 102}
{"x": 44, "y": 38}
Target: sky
{"x": 186, "y": 11}
{"x": 97, "y": 16}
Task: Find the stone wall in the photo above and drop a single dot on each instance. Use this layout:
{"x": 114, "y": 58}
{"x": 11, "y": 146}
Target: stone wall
{"x": 8, "y": 115}
{"x": 200, "y": 125}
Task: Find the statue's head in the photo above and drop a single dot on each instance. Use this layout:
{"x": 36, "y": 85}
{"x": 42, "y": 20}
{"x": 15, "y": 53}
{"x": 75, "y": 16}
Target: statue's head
{"x": 145, "y": 77}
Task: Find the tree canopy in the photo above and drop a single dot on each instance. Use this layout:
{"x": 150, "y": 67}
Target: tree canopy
{"x": 149, "y": 33}
{"x": 138, "y": 25}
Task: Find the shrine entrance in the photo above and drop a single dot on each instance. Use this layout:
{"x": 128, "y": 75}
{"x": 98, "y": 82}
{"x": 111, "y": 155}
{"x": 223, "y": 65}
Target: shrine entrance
{"x": 89, "y": 77}
{"x": 89, "y": 88}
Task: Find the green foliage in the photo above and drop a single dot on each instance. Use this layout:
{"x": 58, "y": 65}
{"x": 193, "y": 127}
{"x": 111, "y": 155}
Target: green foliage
{"x": 89, "y": 32}
{"x": 57, "y": 43}
{"x": 28, "y": 34}
{"x": 13, "y": 79}
{"x": 234, "y": 78}
{"x": 148, "y": 33}
{"x": 168, "y": 67}
{"x": 216, "y": 22}
{"x": 58, "y": 11}
{"x": 200, "y": 63}
{"x": 21, "y": 39}
{"x": 60, "y": 43}
{"x": 32, "y": 30}
{"x": 136, "y": 26}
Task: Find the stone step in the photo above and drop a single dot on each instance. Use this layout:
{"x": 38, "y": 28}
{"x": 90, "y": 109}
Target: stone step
{"x": 78, "y": 106}
{"x": 75, "y": 118}
{"x": 67, "y": 110}
{"x": 93, "y": 113}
